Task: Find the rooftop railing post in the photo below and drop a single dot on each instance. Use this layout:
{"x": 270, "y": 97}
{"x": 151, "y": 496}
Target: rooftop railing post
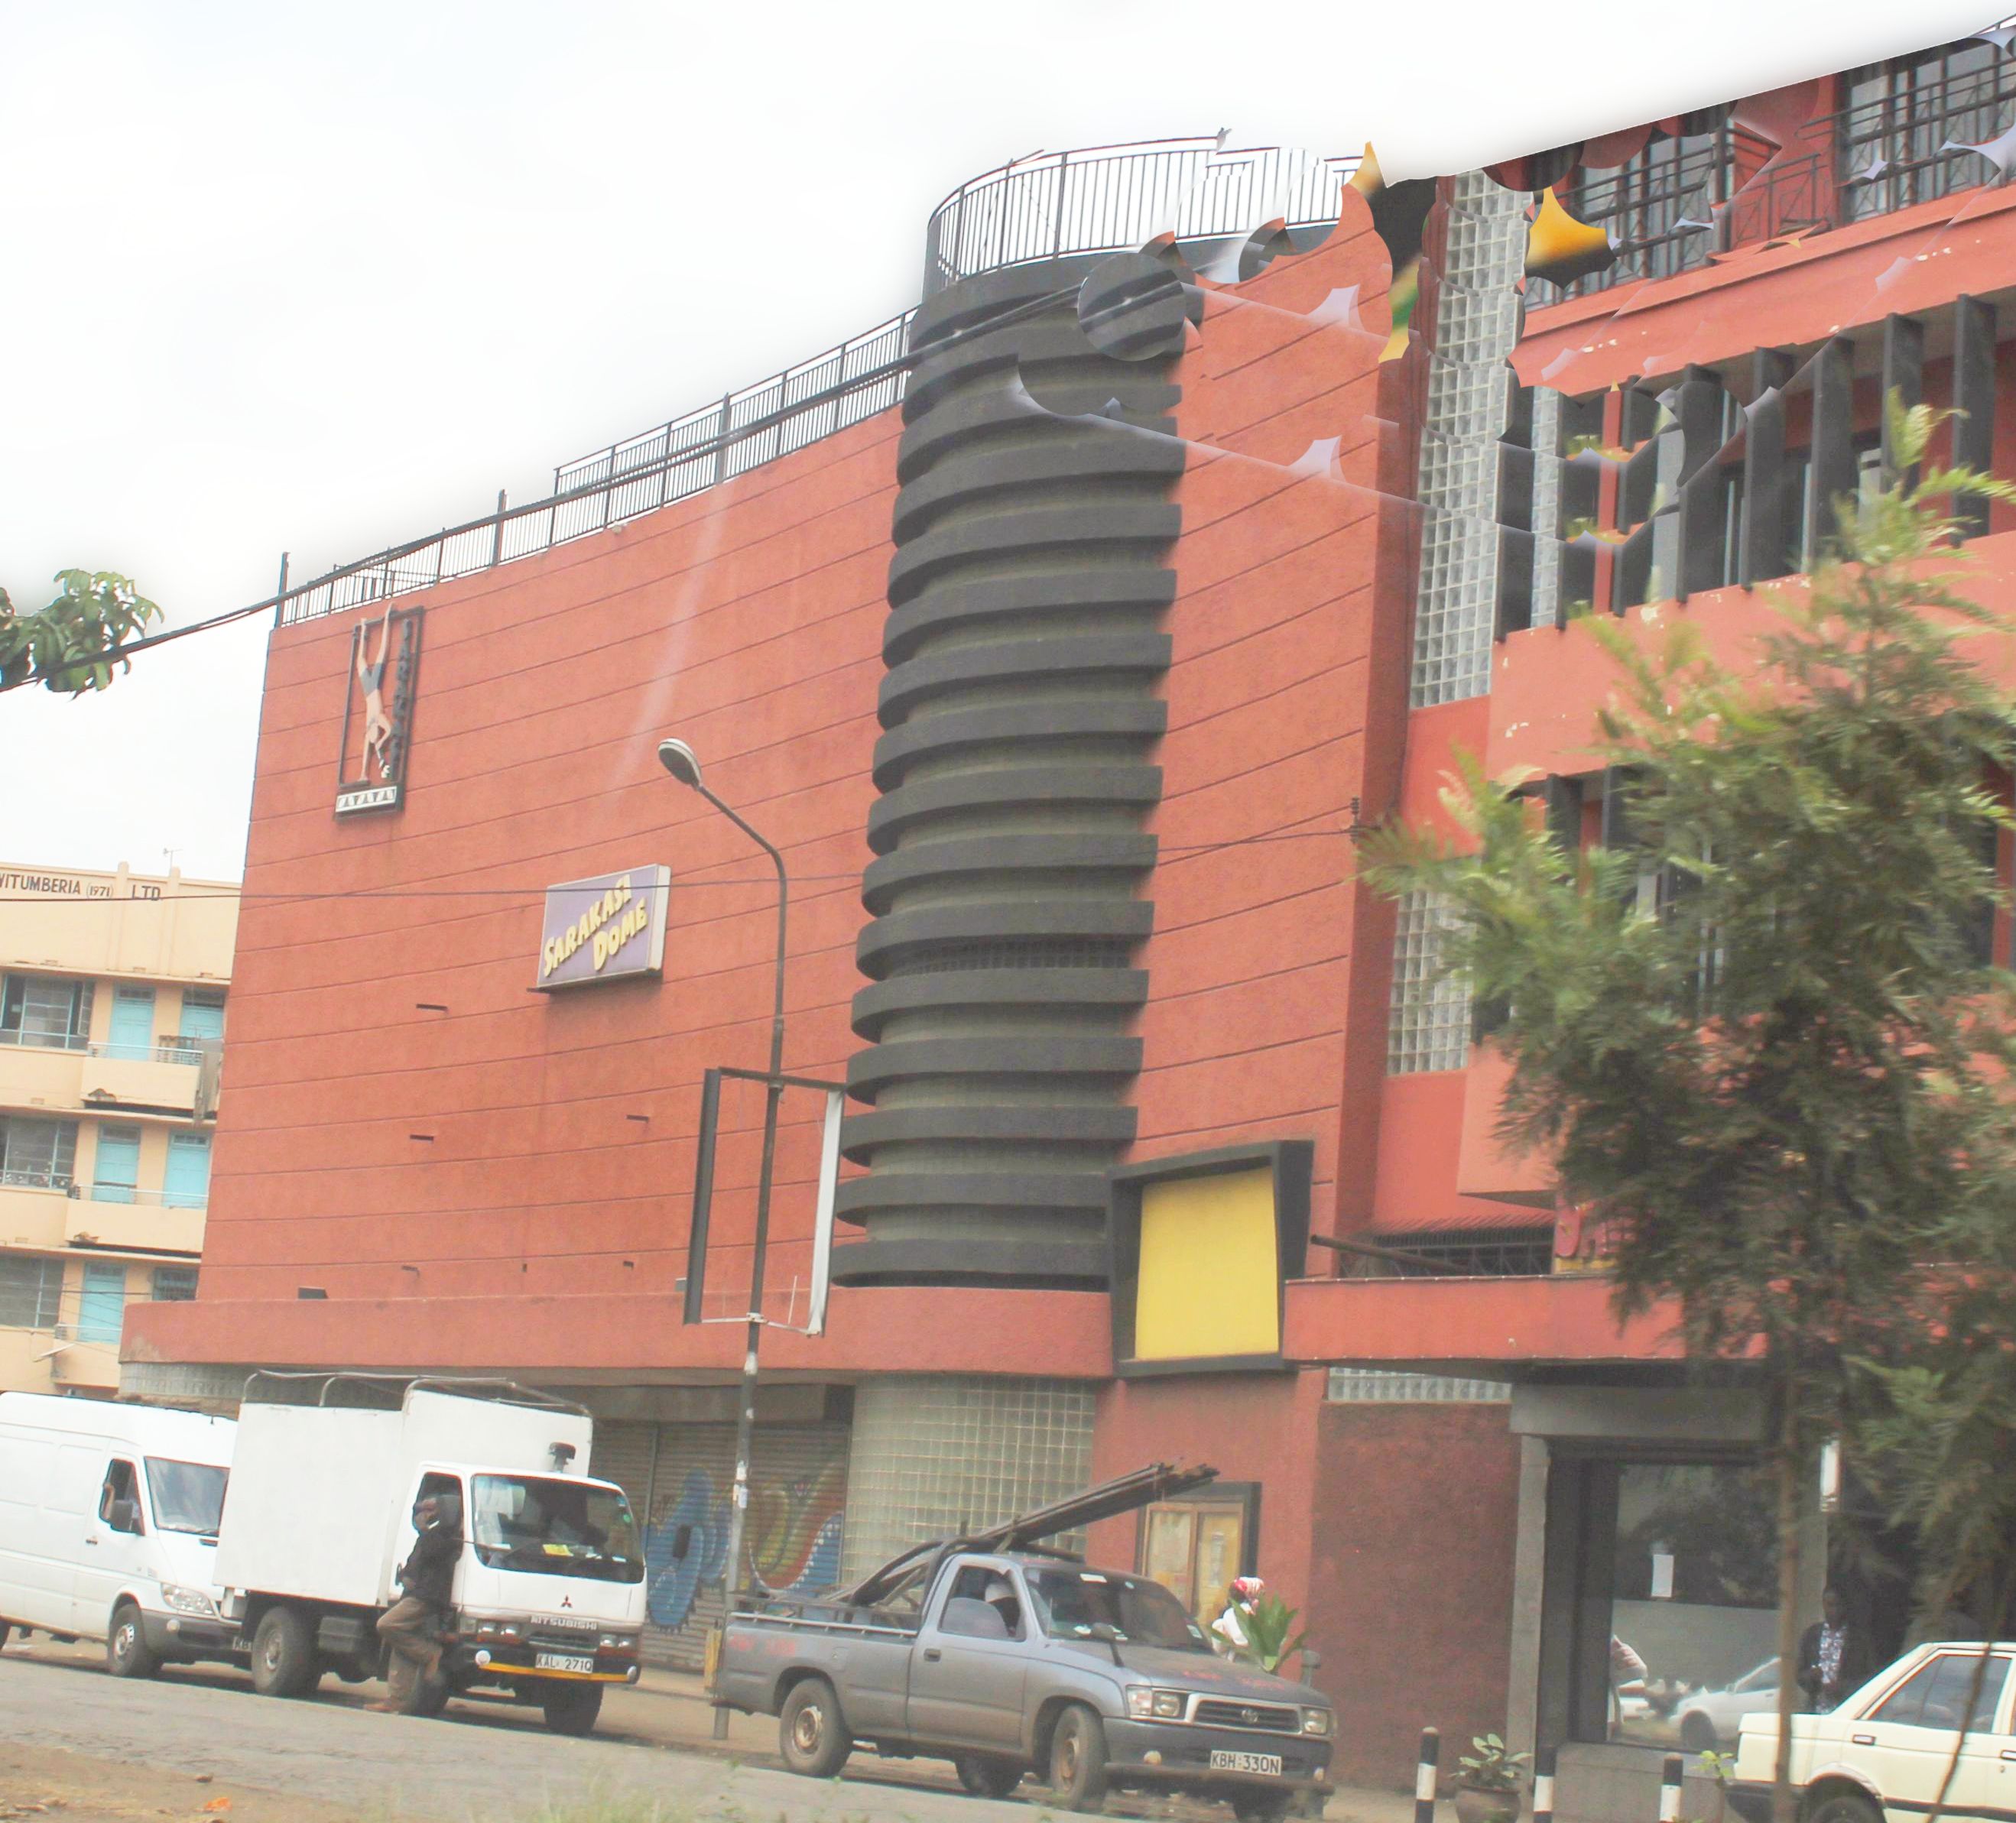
{"x": 280, "y": 593}
{"x": 608, "y": 489}
{"x": 721, "y": 441}
{"x": 497, "y": 537}
{"x": 1057, "y": 240}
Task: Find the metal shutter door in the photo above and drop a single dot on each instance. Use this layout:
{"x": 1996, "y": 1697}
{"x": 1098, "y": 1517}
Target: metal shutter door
{"x": 794, "y": 1533}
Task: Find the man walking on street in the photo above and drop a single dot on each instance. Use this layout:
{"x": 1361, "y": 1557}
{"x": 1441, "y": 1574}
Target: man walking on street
{"x": 411, "y": 1628}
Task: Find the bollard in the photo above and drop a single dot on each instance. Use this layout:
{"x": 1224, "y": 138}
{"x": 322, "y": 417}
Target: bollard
{"x": 1669, "y": 1789}
{"x": 1424, "y": 1777}
{"x": 1543, "y": 1784}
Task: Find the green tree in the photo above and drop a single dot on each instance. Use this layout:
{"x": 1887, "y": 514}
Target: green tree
{"x": 1756, "y": 1037}
{"x": 72, "y": 644}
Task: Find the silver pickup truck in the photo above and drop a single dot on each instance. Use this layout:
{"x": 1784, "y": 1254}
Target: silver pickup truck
{"x": 1010, "y": 1661}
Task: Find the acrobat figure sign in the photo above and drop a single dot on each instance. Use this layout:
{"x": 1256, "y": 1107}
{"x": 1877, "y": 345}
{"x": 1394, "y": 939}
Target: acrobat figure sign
{"x": 607, "y": 928}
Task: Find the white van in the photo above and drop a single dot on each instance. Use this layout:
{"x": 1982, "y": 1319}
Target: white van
{"x": 108, "y": 1516}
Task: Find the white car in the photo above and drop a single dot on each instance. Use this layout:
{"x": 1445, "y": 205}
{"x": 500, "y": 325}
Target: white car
{"x": 1709, "y": 1717}
{"x": 1879, "y": 1757}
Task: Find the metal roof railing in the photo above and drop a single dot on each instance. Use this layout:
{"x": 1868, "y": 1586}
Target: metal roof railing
{"x": 1100, "y": 201}
{"x": 1109, "y": 198}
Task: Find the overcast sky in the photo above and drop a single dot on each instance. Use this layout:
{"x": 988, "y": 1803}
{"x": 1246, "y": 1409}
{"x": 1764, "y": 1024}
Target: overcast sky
{"x": 319, "y": 279}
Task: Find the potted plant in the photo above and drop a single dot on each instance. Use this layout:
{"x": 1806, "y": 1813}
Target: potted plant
{"x": 1488, "y": 1788}
{"x": 1258, "y": 1627}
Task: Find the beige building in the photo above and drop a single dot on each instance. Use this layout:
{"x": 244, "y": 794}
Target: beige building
{"x": 112, "y": 1011}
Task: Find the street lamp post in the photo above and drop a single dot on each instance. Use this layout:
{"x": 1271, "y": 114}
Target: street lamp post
{"x": 683, "y": 764}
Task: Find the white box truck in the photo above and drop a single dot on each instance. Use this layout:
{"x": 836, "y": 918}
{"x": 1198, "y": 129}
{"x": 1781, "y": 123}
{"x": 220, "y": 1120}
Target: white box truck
{"x": 549, "y": 1593}
{"x": 108, "y": 1526}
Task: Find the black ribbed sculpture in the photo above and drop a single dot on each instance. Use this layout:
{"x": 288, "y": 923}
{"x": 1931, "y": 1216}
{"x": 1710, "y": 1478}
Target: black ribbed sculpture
{"x": 1024, "y": 643}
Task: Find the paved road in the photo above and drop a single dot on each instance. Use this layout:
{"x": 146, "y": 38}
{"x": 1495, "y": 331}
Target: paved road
{"x": 493, "y": 1760}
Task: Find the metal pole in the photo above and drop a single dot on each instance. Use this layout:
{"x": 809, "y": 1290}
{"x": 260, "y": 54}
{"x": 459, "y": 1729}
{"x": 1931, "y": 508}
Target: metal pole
{"x": 745, "y": 1417}
{"x": 1669, "y": 1789}
{"x": 280, "y": 593}
{"x": 497, "y": 538}
{"x": 1543, "y": 1785}
{"x": 1424, "y": 1776}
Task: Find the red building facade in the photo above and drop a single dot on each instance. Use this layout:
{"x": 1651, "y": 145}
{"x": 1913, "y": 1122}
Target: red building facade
{"x": 1060, "y": 684}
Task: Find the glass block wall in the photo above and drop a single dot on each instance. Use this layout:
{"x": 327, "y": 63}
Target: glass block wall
{"x": 1428, "y": 1017}
{"x": 1477, "y": 325}
{"x": 934, "y": 1455}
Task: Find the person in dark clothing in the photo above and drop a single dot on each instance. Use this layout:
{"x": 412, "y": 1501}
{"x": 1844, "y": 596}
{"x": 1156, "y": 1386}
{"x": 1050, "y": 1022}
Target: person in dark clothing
{"x": 411, "y": 1628}
{"x": 1834, "y": 1657}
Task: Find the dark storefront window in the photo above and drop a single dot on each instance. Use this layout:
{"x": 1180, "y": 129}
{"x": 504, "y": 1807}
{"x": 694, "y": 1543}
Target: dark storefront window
{"x": 1902, "y": 114}
{"x": 1671, "y": 1635}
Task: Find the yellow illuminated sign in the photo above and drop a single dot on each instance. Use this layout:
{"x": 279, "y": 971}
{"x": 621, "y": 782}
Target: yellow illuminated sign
{"x": 1209, "y": 1281}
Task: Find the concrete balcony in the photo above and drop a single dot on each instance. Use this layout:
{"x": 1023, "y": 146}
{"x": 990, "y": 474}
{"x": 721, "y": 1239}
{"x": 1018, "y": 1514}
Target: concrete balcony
{"x": 53, "y": 1360}
{"x": 35, "y": 1076}
{"x": 160, "y": 1076}
{"x": 111, "y": 1216}
{"x": 33, "y": 1215}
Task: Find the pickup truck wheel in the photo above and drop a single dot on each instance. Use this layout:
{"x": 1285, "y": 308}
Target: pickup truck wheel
{"x": 987, "y": 1777}
{"x": 569, "y": 1709}
{"x": 1697, "y": 1733}
{"x": 1843, "y": 1807}
{"x": 1263, "y": 1806}
{"x": 283, "y": 1655}
{"x": 126, "y": 1654}
{"x": 812, "y": 1735}
{"x": 1077, "y": 1760}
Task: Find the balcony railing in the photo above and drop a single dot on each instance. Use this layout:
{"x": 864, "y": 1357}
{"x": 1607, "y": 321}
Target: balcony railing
{"x": 1108, "y": 198}
{"x": 181, "y": 1048}
{"x": 1095, "y": 201}
{"x": 26, "y": 1039}
{"x": 128, "y": 1193}
{"x": 1908, "y": 144}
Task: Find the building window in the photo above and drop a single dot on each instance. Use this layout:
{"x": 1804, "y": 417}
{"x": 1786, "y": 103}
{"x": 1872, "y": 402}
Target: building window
{"x": 202, "y": 1018}
{"x": 103, "y": 1308}
{"x": 186, "y": 1183}
{"x": 1673, "y": 1619}
{"x": 36, "y": 1155}
{"x": 174, "y": 1285}
{"x": 1428, "y": 1021}
{"x": 1493, "y": 1253}
{"x": 1195, "y": 1548}
{"x": 132, "y": 1030}
{"x": 115, "y": 1172}
{"x": 1477, "y": 325}
{"x": 31, "y": 1292}
{"x": 1890, "y": 139}
{"x": 1380, "y": 1387}
{"x": 47, "y": 1012}
{"x": 1658, "y": 207}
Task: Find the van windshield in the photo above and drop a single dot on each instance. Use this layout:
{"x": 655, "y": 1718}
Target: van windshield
{"x": 1071, "y": 1602}
{"x": 187, "y": 1497}
{"x": 556, "y": 1527}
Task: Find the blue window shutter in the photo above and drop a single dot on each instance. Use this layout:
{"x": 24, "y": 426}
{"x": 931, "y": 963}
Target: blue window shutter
{"x": 187, "y": 1183}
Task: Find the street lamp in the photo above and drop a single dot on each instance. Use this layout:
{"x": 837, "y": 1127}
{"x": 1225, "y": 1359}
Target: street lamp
{"x": 683, "y": 764}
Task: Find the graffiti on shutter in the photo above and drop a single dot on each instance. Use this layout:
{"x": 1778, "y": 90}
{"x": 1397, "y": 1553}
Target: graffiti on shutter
{"x": 796, "y": 1509}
